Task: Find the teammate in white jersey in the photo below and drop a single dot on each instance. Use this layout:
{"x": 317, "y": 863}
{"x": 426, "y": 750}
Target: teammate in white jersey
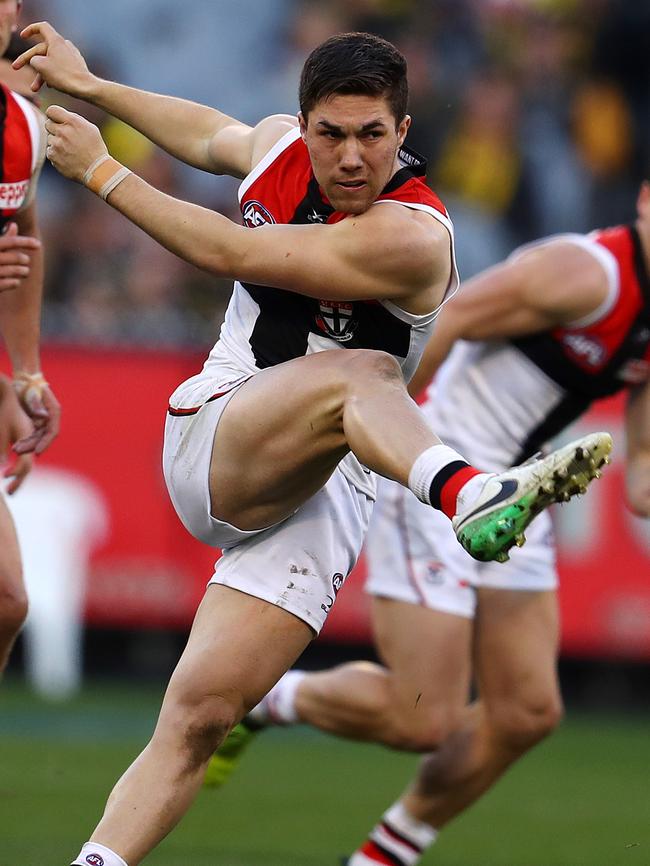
{"x": 28, "y": 410}
{"x": 348, "y": 252}
{"x": 563, "y": 321}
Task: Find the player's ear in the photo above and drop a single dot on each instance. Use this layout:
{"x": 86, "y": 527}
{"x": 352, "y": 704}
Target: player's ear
{"x": 303, "y": 124}
{"x": 403, "y": 128}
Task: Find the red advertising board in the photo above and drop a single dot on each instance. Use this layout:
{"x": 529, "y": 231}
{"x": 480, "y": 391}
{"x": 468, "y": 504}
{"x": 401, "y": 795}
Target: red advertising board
{"x": 148, "y": 572}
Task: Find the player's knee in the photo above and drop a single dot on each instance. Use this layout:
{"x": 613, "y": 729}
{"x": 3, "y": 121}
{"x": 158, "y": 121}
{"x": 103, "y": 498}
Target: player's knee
{"x": 425, "y": 730}
{"x": 13, "y": 608}
{"x": 364, "y": 365}
{"x": 521, "y": 724}
{"x": 200, "y": 726}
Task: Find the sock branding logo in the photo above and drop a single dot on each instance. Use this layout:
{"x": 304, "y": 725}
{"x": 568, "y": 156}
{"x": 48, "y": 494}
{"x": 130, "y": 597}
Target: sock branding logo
{"x": 94, "y": 860}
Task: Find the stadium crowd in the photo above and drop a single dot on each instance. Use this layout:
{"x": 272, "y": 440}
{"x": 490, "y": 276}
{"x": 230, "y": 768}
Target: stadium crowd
{"x": 533, "y": 115}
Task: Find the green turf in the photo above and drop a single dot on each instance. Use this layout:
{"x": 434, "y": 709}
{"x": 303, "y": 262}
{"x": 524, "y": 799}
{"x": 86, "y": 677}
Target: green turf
{"x": 581, "y": 799}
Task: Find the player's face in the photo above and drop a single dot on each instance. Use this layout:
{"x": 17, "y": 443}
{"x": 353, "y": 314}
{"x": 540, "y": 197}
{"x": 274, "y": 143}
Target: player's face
{"x": 8, "y": 17}
{"x": 353, "y": 145}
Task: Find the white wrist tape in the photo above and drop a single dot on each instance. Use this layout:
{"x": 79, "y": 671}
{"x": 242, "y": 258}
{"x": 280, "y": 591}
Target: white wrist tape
{"x": 24, "y": 383}
{"x": 104, "y": 174}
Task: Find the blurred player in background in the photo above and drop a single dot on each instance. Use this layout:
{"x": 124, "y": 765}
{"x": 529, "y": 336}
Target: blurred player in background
{"x": 529, "y": 345}
{"x": 29, "y": 413}
{"x": 266, "y": 451}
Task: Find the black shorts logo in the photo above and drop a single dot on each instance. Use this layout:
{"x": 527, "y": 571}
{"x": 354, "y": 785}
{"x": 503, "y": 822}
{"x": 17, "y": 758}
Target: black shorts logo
{"x": 338, "y": 580}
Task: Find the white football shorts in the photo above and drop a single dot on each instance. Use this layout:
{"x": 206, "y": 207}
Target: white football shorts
{"x": 299, "y": 564}
{"x": 413, "y": 555}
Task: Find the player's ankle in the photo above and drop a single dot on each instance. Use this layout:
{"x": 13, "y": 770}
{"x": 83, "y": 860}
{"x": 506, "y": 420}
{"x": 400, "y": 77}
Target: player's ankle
{"x": 398, "y": 836}
{"x": 439, "y": 475}
{"x": 94, "y": 854}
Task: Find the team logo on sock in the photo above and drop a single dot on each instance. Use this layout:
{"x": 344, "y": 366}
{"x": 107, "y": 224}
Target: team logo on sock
{"x": 94, "y": 860}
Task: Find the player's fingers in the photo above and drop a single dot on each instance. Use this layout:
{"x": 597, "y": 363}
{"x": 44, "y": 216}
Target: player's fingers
{"x": 27, "y": 56}
{"x": 58, "y": 114}
{"x": 32, "y": 401}
{"x": 14, "y": 271}
{"x": 8, "y": 285}
{"x": 13, "y": 242}
{"x": 19, "y": 471}
{"x": 37, "y": 83}
{"x": 39, "y": 28}
{"x": 27, "y": 444}
{"x": 49, "y": 431}
{"x": 12, "y": 258}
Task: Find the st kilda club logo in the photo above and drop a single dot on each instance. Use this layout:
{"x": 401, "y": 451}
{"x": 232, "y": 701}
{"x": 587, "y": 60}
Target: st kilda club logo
{"x": 336, "y": 320}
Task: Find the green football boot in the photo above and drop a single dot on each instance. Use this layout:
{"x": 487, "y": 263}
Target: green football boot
{"x": 510, "y": 500}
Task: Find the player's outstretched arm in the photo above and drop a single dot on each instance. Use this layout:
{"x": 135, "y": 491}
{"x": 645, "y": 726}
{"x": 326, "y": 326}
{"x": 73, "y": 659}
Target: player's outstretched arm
{"x": 387, "y": 252}
{"x": 198, "y": 135}
{"x": 637, "y": 429}
{"x": 544, "y": 287}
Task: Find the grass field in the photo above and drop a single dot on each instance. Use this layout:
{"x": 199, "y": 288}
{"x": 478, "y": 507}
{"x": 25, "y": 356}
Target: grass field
{"x": 581, "y": 799}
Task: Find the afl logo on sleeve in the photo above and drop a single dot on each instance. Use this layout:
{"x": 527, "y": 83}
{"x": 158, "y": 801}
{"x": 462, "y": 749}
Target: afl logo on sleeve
{"x": 94, "y": 860}
{"x": 586, "y": 350}
{"x": 255, "y": 214}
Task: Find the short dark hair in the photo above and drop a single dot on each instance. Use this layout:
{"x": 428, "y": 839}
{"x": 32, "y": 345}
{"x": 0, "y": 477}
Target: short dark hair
{"x": 355, "y": 63}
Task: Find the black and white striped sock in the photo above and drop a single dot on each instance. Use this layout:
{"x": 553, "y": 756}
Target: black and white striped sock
{"x": 397, "y": 840}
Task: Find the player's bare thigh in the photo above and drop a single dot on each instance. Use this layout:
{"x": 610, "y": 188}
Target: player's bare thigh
{"x": 517, "y": 636}
{"x": 238, "y": 648}
{"x": 281, "y": 437}
{"x": 429, "y": 655}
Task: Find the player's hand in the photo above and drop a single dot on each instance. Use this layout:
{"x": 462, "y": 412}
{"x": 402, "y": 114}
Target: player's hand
{"x": 56, "y": 61}
{"x": 14, "y": 259}
{"x": 73, "y": 143}
{"x": 14, "y": 425}
{"x": 41, "y": 406}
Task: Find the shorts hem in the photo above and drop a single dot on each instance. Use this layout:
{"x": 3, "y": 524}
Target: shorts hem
{"x": 419, "y": 602}
{"x": 314, "y": 624}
